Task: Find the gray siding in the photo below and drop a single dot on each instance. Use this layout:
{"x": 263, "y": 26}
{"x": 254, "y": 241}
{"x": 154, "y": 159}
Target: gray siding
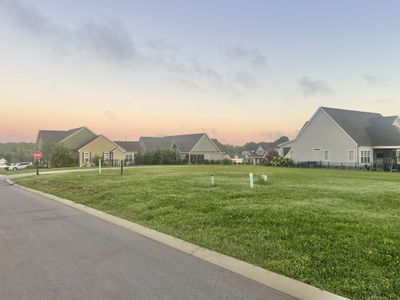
{"x": 324, "y": 134}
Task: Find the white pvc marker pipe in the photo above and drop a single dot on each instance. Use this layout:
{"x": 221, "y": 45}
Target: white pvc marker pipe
{"x": 99, "y": 166}
{"x": 212, "y": 180}
{"x": 251, "y": 180}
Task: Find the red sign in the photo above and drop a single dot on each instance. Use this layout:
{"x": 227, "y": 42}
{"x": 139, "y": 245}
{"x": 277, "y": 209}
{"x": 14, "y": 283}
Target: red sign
{"x": 37, "y": 155}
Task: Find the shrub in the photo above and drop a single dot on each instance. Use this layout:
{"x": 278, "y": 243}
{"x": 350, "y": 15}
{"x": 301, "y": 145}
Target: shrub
{"x": 226, "y": 161}
{"x": 281, "y": 161}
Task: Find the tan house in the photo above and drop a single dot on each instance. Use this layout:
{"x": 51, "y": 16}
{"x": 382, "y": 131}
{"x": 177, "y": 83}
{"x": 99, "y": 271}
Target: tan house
{"x": 89, "y": 146}
{"x": 131, "y": 148}
{"x": 100, "y": 148}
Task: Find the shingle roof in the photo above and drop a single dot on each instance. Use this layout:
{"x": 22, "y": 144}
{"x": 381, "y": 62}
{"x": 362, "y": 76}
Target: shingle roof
{"x": 366, "y": 128}
{"x": 130, "y": 146}
{"x": 218, "y": 144}
{"x": 355, "y": 123}
{"x": 155, "y": 143}
{"x": 184, "y": 142}
{"x": 55, "y": 136}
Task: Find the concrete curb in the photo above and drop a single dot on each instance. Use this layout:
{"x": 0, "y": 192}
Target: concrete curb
{"x": 270, "y": 279}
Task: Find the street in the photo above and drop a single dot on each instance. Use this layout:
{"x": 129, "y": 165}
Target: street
{"x": 51, "y": 251}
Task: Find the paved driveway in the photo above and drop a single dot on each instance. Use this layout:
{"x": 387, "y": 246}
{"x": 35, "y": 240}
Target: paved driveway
{"x": 51, "y": 251}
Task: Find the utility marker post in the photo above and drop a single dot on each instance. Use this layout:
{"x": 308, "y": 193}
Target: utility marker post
{"x": 251, "y": 180}
{"x": 122, "y": 167}
{"x": 212, "y": 180}
{"x": 99, "y": 166}
{"x": 264, "y": 178}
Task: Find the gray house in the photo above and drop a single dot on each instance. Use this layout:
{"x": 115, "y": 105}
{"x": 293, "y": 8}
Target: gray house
{"x": 340, "y": 137}
{"x": 192, "y": 147}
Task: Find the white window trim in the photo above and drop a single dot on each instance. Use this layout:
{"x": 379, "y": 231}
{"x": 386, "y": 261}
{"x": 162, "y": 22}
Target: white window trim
{"x": 365, "y": 156}
{"x": 354, "y": 155}
{"x": 329, "y": 155}
{"x": 108, "y": 156}
{"x": 86, "y": 155}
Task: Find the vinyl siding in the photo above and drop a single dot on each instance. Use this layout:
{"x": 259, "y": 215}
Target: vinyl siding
{"x": 206, "y": 147}
{"x": 78, "y": 139}
{"x": 98, "y": 147}
{"x": 324, "y": 134}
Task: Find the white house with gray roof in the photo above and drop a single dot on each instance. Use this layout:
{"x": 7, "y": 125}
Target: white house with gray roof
{"x": 192, "y": 147}
{"x": 340, "y": 137}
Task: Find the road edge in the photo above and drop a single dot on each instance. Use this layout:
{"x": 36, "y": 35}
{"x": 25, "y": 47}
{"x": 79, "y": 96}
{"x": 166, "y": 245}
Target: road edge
{"x": 270, "y": 279}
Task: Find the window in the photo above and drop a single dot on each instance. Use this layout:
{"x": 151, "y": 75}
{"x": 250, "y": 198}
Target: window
{"x": 365, "y": 156}
{"x": 86, "y": 157}
{"x": 351, "y": 156}
{"x": 106, "y": 156}
{"x": 398, "y": 156}
{"x": 129, "y": 157}
{"x": 326, "y": 155}
{"x": 206, "y": 156}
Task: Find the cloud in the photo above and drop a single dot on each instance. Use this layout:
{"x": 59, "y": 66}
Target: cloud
{"x": 109, "y": 114}
{"x": 312, "y": 87}
{"x": 372, "y": 80}
{"x": 110, "y": 42}
{"x": 254, "y": 58}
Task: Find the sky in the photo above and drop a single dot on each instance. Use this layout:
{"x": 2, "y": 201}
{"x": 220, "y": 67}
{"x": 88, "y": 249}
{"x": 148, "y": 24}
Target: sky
{"x": 238, "y": 70}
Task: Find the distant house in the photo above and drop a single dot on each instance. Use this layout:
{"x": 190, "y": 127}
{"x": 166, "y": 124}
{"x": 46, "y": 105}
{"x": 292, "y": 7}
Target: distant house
{"x": 131, "y": 148}
{"x": 88, "y": 146}
{"x": 259, "y": 155}
{"x": 237, "y": 159}
{"x": 191, "y": 147}
{"x": 347, "y": 138}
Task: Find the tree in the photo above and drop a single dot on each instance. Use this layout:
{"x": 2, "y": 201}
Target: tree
{"x": 56, "y": 155}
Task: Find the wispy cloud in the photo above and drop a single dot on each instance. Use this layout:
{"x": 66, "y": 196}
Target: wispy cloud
{"x": 311, "y": 87}
{"x": 372, "y": 80}
{"x": 109, "y": 41}
{"x": 253, "y": 57}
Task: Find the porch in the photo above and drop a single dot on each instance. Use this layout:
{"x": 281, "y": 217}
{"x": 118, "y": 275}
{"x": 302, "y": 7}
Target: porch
{"x": 386, "y": 159}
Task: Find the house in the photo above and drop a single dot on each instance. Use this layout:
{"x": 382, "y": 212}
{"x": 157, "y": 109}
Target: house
{"x": 191, "y": 147}
{"x": 340, "y": 137}
{"x": 257, "y": 156}
{"x": 88, "y": 146}
{"x": 237, "y": 159}
{"x": 131, "y": 148}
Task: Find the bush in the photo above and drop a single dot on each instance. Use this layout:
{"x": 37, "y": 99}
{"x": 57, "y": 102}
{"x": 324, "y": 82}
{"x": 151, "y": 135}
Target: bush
{"x": 226, "y": 161}
{"x": 157, "y": 157}
{"x": 281, "y": 161}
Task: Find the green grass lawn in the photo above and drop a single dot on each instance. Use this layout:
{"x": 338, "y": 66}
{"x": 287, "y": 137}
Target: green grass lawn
{"x": 334, "y": 229}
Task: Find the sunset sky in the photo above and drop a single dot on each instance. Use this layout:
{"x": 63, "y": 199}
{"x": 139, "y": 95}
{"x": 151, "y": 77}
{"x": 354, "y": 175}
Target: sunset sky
{"x": 238, "y": 70}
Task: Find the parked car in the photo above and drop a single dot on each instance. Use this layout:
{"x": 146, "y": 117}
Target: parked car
{"x": 18, "y": 166}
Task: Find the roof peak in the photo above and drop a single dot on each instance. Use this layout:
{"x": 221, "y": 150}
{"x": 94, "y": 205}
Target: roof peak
{"x": 350, "y": 110}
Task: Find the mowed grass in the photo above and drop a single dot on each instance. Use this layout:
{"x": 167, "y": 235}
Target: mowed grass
{"x": 334, "y": 229}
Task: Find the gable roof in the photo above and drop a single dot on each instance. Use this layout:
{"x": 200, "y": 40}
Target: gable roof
{"x": 155, "y": 143}
{"x": 56, "y": 136}
{"x": 218, "y": 144}
{"x": 184, "y": 142}
{"x": 354, "y": 123}
{"x": 129, "y": 146}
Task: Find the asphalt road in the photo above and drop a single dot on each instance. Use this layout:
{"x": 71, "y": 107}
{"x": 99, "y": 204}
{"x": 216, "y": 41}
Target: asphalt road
{"x": 51, "y": 251}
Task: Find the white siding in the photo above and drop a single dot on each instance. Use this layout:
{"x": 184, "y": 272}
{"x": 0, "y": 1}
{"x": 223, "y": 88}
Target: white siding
{"x": 324, "y": 134}
{"x": 364, "y": 148}
{"x": 206, "y": 147}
